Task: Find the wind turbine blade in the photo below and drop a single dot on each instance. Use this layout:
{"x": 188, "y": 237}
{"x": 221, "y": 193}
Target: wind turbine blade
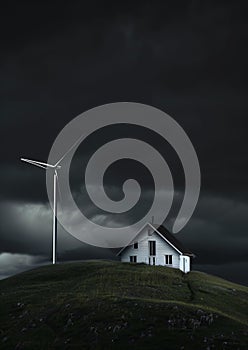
{"x": 35, "y": 162}
{"x": 45, "y": 164}
{"x": 69, "y": 150}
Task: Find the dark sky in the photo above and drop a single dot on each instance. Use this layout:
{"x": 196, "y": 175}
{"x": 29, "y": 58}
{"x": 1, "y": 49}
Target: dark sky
{"x": 187, "y": 58}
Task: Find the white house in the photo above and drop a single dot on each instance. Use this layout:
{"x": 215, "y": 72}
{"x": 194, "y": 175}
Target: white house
{"x": 157, "y": 246}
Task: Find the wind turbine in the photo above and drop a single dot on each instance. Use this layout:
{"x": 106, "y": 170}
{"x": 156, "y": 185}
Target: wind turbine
{"x": 54, "y": 167}
{"x": 55, "y": 180}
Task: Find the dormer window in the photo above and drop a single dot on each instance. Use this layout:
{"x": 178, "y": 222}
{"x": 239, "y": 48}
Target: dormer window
{"x": 136, "y": 245}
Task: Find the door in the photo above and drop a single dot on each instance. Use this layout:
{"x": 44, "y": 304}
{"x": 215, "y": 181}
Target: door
{"x": 152, "y": 260}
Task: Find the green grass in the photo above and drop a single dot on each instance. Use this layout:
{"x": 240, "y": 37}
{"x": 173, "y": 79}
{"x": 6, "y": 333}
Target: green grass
{"x": 112, "y": 305}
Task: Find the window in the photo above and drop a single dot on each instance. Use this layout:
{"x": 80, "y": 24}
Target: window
{"x": 152, "y": 247}
{"x": 135, "y": 246}
{"x": 133, "y": 258}
{"x": 168, "y": 259}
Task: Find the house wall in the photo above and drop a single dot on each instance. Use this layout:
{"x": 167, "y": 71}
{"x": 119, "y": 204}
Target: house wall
{"x": 184, "y": 264}
{"x": 142, "y": 253}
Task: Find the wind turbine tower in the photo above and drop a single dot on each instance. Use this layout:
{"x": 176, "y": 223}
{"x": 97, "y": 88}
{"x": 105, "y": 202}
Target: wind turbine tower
{"x": 54, "y": 168}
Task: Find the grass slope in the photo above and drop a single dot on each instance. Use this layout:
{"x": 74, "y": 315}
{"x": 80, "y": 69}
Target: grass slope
{"x": 111, "y": 305}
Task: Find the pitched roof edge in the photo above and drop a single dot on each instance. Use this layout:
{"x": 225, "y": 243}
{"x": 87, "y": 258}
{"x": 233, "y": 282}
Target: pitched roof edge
{"x": 147, "y": 223}
{"x": 160, "y": 234}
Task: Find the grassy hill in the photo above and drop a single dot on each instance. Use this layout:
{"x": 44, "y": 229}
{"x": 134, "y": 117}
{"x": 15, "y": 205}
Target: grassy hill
{"x": 111, "y": 305}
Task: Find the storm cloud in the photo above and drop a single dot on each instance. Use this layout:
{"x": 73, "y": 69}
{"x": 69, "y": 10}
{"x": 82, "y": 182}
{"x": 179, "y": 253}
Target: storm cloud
{"x": 188, "y": 60}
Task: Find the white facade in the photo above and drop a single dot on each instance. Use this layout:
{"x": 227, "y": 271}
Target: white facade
{"x": 165, "y": 253}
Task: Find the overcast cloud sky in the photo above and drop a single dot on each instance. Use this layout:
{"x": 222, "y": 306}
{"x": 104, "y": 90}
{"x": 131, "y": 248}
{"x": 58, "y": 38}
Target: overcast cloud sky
{"x": 188, "y": 59}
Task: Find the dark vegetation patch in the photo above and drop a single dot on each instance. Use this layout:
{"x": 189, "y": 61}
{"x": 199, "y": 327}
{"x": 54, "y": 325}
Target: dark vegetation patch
{"x": 111, "y": 305}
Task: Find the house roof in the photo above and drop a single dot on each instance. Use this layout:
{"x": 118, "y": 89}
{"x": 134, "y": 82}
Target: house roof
{"x": 167, "y": 236}
{"x": 173, "y": 240}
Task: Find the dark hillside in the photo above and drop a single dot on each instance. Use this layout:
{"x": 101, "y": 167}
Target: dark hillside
{"x": 111, "y": 305}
